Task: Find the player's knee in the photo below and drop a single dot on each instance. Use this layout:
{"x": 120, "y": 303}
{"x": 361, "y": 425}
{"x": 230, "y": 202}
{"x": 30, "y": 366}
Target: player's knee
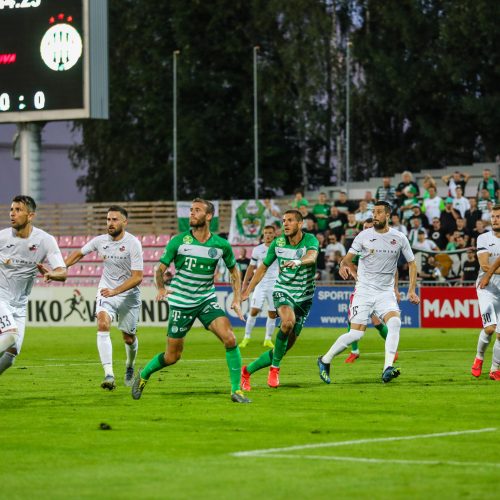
{"x": 172, "y": 357}
{"x": 287, "y": 326}
{"x": 490, "y": 329}
{"x": 103, "y": 325}
{"x": 272, "y": 314}
{"x": 394, "y": 323}
{"x": 128, "y": 339}
{"x": 229, "y": 340}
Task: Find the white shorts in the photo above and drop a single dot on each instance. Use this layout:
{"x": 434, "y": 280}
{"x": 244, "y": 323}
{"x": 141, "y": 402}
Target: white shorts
{"x": 364, "y": 304}
{"x": 13, "y": 317}
{"x": 261, "y": 295}
{"x": 125, "y": 309}
{"x": 489, "y": 304}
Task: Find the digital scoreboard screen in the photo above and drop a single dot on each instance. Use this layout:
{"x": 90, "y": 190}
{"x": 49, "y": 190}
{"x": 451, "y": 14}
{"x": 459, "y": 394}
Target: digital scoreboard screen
{"x": 46, "y": 59}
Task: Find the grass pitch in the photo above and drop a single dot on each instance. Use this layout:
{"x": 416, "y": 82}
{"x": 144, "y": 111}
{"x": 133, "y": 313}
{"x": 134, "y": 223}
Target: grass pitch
{"x": 355, "y": 438}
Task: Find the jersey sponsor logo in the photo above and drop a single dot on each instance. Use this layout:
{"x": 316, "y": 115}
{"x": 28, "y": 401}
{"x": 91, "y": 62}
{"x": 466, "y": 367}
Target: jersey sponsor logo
{"x": 280, "y": 242}
{"x": 188, "y": 239}
{"x": 212, "y": 253}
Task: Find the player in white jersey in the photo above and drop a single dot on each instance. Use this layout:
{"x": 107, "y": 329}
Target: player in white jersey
{"x": 118, "y": 296}
{"x": 379, "y": 249}
{"x": 263, "y": 292}
{"x": 488, "y": 295}
{"x": 23, "y": 248}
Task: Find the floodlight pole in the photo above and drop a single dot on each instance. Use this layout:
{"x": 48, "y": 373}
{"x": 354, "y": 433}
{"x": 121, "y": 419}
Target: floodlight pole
{"x": 255, "y": 124}
{"x": 174, "y": 112}
{"x": 28, "y": 149}
{"x": 348, "y": 115}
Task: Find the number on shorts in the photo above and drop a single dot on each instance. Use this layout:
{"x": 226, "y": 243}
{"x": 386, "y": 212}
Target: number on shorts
{"x": 486, "y": 317}
{"x": 4, "y": 322}
{"x": 354, "y": 311}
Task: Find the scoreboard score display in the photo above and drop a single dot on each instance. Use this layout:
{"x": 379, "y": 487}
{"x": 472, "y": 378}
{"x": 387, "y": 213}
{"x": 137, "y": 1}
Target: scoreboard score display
{"x": 53, "y": 60}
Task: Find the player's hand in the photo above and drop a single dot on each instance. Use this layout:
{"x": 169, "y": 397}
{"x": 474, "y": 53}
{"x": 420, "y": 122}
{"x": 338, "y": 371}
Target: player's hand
{"x": 347, "y": 272}
{"x": 398, "y": 295}
{"x": 245, "y": 295}
{"x": 236, "y": 307}
{"x": 484, "y": 281}
{"x": 162, "y": 294}
{"x": 292, "y": 264}
{"x": 108, "y": 292}
{"x": 45, "y": 272}
{"x": 413, "y": 298}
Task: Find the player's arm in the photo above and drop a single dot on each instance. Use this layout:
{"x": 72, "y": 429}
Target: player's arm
{"x": 161, "y": 291}
{"x": 412, "y": 293}
{"x": 494, "y": 269}
{"x": 57, "y": 274}
{"x": 347, "y": 268}
{"x": 256, "y": 279}
{"x": 446, "y": 178}
{"x": 73, "y": 258}
{"x": 235, "y": 277}
{"x": 248, "y": 276}
{"x": 309, "y": 259}
{"x": 134, "y": 280}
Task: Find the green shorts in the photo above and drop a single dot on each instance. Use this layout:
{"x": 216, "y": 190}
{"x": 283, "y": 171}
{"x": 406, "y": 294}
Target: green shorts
{"x": 180, "y": 320}
{"x": 300, "y": 310}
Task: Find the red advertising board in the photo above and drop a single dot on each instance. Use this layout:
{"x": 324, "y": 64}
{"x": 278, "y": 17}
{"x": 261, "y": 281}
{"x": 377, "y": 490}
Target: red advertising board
{"x": 449, "y": 307}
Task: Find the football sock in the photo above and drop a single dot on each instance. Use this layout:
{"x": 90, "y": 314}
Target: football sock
{"x": 156, "y": 364}
{"x": 355, "y": 347}
{"x": 341, "y": 344}
{"x": 495, "y": 362}
{"x": 279, "y": 348}
{"x": 131, "y": 350}
{"x": 233, "y": 359}
{"x": 392, "y": 340}
{"x": 263, "y": 361}
{"x": 382, "y": 330}
{"x": 482, "y": 344}
{"x": 105, "y": 349}
{"x": 270, "y": 326}
{"x": 249, "y": 325}
{"x": 6, "y": 361}
{"x": 8, "y": 339}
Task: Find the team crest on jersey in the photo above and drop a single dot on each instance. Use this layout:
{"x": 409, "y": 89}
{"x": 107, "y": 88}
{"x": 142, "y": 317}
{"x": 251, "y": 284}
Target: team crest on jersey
{"x": 299, "y": 253}
{"x": 188, "y": 239}
{"x": 33, "y": 247}
{"x": 122, "y": 248}
{"x": 393, "y": 242}
{"x": 212, "y": 253}
{"x": 280, "y": 242}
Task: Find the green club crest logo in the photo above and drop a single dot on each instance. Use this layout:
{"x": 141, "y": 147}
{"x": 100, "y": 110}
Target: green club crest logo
{"x": 299, "y": 253}
{"x": 212, "y": 253}
{"x": 188, "y": 239}
{"x": 280, "y": 242}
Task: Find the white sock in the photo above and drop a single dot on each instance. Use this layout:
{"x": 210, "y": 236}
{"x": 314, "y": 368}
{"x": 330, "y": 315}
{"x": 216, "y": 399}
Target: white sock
{"x": 341, "y": 344}
{"x": 131, "y": 350}
{"x": 392, "y": 340}
{"x": 482, "y": 344}
{"x": 8, "y": 339}
{"x": 6, "y": 361}
{"x": 495, "y": 362}
{"x": 105, "y": 349}
{"x": 249, "y": 325}
{"x": 270, "y": 326}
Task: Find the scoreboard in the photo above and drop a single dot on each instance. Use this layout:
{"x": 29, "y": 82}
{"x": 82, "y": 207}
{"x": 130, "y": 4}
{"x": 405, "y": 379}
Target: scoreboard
{"x": 53, "y": 60}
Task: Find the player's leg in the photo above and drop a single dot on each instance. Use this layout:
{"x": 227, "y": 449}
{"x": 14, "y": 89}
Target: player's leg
{"x": 8, "y": 357}
{"x": 487, "y": 301}
{"x": 359, "y": 311}
{"x": 221, "y": 327}
{"x": 380, "y": 326}
{"x": 105, "y": 347}
{"x": 9, "y": 334}
{"x": 271, "y": 319}
{"x": 128, "y": 318}
{"x": 249, "y": 325}
{"x": 354, "y": 355}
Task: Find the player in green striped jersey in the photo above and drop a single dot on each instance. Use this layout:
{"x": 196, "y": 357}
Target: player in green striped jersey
{"x": 296, "y": 253}
{"x": 191, "y": 295}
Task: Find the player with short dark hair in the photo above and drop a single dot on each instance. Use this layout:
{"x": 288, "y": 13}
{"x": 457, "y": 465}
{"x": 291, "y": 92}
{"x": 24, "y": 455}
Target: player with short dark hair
{"x": 191, "y": 295}
{"x": 23, "y": 249}
{"x": 296, "y": 253}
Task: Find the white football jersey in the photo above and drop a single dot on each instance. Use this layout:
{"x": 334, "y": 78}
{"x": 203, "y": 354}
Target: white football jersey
{"x": 18, "y": 260}
{"x": 258, "y": 255}
{"x": 379, "y": 254}
{"x": 120, "y": 258}
{"x": 488, "y": 242}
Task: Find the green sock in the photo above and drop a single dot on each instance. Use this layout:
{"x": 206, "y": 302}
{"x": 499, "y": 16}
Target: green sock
{"x": 157, "y": 363}
{"x": 279, "y": 348}
{"x": 355, "y": 346}
{"x": 382, "y": 330}
{"x": 263, "y": 361}
{"x": 233, "y": 358}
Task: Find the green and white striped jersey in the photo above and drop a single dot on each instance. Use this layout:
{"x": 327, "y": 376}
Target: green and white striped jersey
{"x": 195, "y": 265}
{"x": 298, "y": 283}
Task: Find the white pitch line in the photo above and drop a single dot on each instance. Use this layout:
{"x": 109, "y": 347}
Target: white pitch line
{"x": 383, "y": 460}
{"x": 335, "y": 444}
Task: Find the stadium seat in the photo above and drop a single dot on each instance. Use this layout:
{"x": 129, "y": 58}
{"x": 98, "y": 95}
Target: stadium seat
{"x": 79, "y": 241}
{"x": 149, "y": 270}
{"x": 162, "y": 240}
{"x": 148, "y": 240}
{"x": 65, "y": 241}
